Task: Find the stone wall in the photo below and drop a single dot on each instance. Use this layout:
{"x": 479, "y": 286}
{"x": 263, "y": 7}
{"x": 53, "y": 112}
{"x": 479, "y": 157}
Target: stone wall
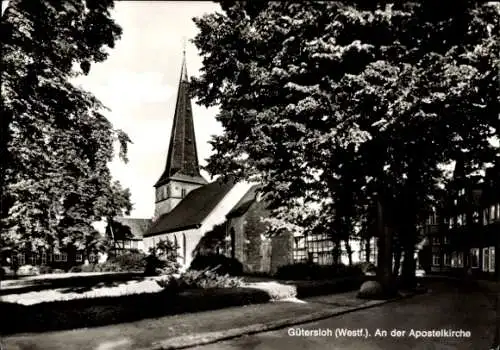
{"x": 253, "y": 249}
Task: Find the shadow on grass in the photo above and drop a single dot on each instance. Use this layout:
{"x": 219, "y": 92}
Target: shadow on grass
{"x": 74, "y": 284}
{"x": 94, "y": 312}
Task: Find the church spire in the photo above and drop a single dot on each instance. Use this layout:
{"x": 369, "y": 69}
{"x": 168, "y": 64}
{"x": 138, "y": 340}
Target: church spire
{"x": 182, "y": 159}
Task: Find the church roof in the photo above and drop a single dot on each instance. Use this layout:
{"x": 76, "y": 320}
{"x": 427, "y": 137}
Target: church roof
{"x": 138, "y": 227}
{"x": 193, "y": 209}
{"x": 245, "y": 202}
{"x": 182, "y": 158}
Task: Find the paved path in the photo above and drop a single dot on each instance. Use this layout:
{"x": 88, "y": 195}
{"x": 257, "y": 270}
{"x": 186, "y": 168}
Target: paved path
{"x": 445, "y": 308}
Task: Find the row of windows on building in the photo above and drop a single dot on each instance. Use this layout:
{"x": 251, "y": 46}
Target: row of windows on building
{"x": 129, "y": 244}
{"x": 489, "y": 214}
{"x": 44, "y": 258}
{"x": 456, "y": 259}
{"x": 319, "y": 250}
{"x": 165, "y": 192}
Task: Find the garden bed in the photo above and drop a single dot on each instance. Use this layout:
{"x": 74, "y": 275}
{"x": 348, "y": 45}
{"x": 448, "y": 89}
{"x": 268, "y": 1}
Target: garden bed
{"x": 99, "y": 303}
{"x": 315, "y": 288}
{"x": 92, "y": 312}
{"x": 66, "y": 280}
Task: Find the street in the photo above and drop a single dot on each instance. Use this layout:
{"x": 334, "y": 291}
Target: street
{"x": 445, "y": 308}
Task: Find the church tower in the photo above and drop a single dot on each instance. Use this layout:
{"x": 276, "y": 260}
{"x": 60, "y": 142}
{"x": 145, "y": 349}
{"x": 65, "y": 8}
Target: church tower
{"x": 182, "y": 171}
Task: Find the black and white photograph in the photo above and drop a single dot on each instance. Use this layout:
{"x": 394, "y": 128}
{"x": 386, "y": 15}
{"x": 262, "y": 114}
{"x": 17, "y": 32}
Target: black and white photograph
{"x": 222, "y": 175}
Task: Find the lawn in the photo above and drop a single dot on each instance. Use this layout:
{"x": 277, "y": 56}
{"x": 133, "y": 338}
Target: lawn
{"x": 40, "y": 303}
{"x": 82, "y": 291}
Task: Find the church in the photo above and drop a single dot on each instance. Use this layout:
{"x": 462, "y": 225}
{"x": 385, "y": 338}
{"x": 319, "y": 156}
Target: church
{"x": 188, "y": 209}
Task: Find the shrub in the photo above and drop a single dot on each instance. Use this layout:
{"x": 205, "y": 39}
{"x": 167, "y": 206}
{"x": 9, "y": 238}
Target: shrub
{"x": 45, "y": 269}
{"x": 88, "y": 268}
{"x": 224, "y": 264}
{"x": 58, "y": 271}
{"x": 163, "y": 259}
{"x": 205, "y": 279}
{"x": 129, "y": 261}
{"x": 367, "y": 267}
{"x": 28, "y": 270}
{"x": 308, "y": 271}
{"x": 108, "y": 266}
{"x": 76, "y": 269}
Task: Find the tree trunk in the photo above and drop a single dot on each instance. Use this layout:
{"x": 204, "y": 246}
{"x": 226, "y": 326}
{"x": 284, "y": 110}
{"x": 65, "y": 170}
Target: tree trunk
{"x": 337, "y": 251}
{"x": 384, "y": 268}
{"x": 397, "y": 258}
{"x": 368, "y": 250}
{"x": 348, "y": 249}
{"x": 408, "y": 279}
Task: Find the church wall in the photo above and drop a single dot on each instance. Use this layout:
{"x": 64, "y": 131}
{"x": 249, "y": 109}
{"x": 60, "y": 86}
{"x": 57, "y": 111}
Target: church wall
{"x": 258, "y": 250}
{"x": 253, "y": 249}
{"x": 216, "y": 217}
{"x": 237, "y": 224}
{"x": 170, "y": 194}
{"x": 177, "y": 187}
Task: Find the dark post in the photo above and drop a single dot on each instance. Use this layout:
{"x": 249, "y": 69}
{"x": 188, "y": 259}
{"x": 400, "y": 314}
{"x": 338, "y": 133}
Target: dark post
{"x": 385, "y": 275}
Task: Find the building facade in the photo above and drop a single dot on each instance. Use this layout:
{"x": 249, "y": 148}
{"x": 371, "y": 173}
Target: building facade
{"x": 463, "y": 233}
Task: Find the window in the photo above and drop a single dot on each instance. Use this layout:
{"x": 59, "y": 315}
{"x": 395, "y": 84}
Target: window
{"x": 33, "y": 259}
{"x": 158, "y": 194}
{"x": 79, "y": 257}
{"x": 485, "y": 217}
{"x": 447, "y": 259}
{"x": 460, "y": 259}
{"x": 486, "y": 259}
{"x": 435, "y": 240}
{"x": 21, "y": 259}
{"x": 474, "y": 253}
{"x": 454, "y": 259}
{"x": 299, "y": 255}
{"x": 492, "y": 259}
{"x": 497, "y": 216}
{"x": 92, "y": 258}
{"x": 183, "y": 193}
{"x": 432, "y": 219}
{"x": 475, "y": 216}
{"x": 61, "y": 257}
{"x": 374, "y": 250}
{"x": 44, "y": 258}
{"x": 446, "y": 240}
{"x": 461, "y": 192}
{"x": 436, "y": 259}
{"x": 492, "y": 212}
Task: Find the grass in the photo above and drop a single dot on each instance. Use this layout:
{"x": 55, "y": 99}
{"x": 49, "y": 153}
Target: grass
{"x": 77, "y": 281}
{"x": 100, "y": 299}
{"x": 102, "y": 289}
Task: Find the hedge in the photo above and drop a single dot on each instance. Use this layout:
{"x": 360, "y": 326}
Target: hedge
{"x": 96, "y": 312}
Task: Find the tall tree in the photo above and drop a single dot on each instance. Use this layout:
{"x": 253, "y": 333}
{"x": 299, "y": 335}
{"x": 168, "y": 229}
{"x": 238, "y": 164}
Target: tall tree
{"x": 56, "y": 143}
{"x": 300, "y": 86}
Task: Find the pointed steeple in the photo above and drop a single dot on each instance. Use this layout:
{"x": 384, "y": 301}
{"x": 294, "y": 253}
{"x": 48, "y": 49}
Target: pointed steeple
{"x": 182, "y": 159}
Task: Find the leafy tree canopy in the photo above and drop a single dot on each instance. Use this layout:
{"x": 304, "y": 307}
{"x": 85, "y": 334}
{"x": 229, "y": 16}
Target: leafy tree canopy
{"x": 56, "y": 143}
